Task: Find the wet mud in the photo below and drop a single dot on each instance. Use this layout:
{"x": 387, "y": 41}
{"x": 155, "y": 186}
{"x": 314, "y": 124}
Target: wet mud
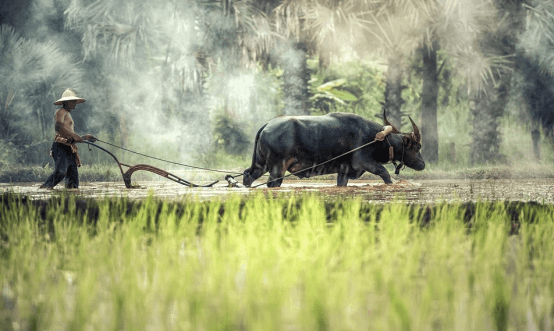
{"x": 417, "y": 191}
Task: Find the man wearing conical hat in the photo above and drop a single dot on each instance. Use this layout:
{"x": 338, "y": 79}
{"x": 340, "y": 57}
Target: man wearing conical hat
{"x": 64, "y": 149}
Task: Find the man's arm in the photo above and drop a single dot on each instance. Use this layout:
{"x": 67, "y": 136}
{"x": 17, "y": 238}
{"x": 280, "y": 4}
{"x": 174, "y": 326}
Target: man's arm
{"x": 63, "y": 130}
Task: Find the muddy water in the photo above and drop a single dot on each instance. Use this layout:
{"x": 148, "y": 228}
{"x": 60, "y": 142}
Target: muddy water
{"x": 421, "y": 191}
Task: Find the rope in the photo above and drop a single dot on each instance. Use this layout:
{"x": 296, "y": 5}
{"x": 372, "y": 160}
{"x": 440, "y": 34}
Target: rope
{"x": 155, "y": 158}
{"x": 317, "y": 165}
{"x": 398, "y": 167}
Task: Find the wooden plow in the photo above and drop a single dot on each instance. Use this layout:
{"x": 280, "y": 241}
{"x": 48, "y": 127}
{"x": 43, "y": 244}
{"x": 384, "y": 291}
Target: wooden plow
{"x": 145, "y": 167}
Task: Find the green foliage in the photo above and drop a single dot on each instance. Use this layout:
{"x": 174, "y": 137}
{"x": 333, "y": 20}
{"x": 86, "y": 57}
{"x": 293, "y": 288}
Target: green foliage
{"x": 274, "y": 263}
{"x": 328, "y": 93}
{"x": 222, "y": 160}
{"x": 229, "y": 135}
{"x": 8, "y": 153}
{"x": 354, "y": 86}
{"x": 33, "y": 74}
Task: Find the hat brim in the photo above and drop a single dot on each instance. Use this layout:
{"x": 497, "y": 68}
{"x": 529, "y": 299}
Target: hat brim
{"x": 60, "y": 101}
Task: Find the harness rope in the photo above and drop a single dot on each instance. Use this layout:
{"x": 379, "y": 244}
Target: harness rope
{"x": 155, "y": 158}
{"x": 237, "y": 174}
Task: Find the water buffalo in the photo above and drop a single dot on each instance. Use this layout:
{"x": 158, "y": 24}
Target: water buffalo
{"x": 294, "y": 143}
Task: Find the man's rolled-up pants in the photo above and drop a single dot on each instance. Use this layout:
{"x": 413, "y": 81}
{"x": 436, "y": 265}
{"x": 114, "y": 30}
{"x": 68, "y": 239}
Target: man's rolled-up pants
{"x": 66, "y": 167}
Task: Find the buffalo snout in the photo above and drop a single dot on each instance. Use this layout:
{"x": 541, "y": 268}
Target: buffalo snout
{"x": 415, "y": 161}
{"x": 247, "y": 178}
{"x": 419, "y": 166}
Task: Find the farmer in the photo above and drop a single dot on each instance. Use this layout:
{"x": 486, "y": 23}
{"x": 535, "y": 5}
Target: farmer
{"x": 64, "y": 149}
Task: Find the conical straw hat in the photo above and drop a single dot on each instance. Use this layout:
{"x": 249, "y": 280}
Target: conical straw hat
{"x": 68, "y": 95}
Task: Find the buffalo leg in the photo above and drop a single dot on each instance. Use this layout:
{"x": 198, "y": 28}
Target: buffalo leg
{"x": 342, "y": 179}
{"x": 379, "y": 170}
{"x": 277, "y": 171}
{"x": 275, "y": 183}
{"x": 363, "y": 162}
{"x": 342, "y": 175}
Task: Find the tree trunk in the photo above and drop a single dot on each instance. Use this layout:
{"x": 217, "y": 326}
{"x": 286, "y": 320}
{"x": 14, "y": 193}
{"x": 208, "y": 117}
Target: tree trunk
{"x": 295, "y": 80}
{"x": 324, "y": 59}
{"x": 536, "y": 136}
{"x": 429, "y": 95}
{"x": 393, "y": 93}
{"x": 487, "y": 108}
{"x": 446, "y": 86}
{"x": 452, "y": 153}
{"x": 41, "y": 122}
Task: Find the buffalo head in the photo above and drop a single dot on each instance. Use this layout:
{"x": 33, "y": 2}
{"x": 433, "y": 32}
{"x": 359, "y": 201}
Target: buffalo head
{"x": 247, "y": 178}
{"x": 411, "y": 146}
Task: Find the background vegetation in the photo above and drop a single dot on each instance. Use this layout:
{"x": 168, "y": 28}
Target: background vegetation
{"x": 192, "y": 81}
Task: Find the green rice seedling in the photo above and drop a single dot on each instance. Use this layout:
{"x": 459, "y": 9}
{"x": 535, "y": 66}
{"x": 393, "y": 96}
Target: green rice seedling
{"x": 274, "y": 263}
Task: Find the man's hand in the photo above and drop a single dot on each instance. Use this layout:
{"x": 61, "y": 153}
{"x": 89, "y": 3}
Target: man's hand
{"x": 382, "y": 134}
{"x": 89, "y": 137}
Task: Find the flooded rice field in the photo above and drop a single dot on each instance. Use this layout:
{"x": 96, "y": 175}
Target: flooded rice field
{"x": 418, "y": 191}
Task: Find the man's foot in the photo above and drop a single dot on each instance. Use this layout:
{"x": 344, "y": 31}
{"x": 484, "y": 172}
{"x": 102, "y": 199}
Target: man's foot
{"x": 46, "y": 187}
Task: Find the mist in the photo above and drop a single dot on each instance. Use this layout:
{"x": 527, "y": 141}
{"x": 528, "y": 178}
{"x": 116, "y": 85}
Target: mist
{"x": 186, "y": 80}
{"x": 155, "y": 76}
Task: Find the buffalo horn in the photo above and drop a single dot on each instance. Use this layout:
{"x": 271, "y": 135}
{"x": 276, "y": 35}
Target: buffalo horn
{"x": 416, "y": 130}
{"x": 394, "y": 130}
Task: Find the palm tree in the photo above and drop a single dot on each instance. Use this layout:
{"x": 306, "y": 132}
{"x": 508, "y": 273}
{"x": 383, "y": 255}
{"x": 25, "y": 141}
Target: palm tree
{"x": 391, "y": 34}
{"x": 535, "y": 66}
{"x": 456, "y": 27}
{"x": 165, "y": 50}
{"x": 537, "y": 39}
{"x": 181, "y": 47}
{"x": 293, "y": 54}
{"x": 33, "y": 75}
{"x": 314, "y": 27}
{"x": 429, "y": 94}
{"x": 396, "y": 29}
{"x": 116, "y": 37}
{"x": 488, "y": 106}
